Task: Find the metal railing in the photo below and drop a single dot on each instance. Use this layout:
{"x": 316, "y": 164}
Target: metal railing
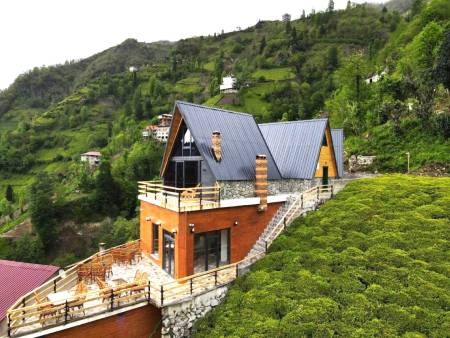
{"x": 314, "y": 194}
{"x": 181, "y": 199}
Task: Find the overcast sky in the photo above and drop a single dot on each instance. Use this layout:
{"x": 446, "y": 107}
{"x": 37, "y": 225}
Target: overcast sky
{"x": 46, "y": 32}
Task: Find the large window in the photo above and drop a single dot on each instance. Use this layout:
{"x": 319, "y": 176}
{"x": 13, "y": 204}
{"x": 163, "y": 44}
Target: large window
{"x": 211, "y": 250}
{"x": 155, "y": 239}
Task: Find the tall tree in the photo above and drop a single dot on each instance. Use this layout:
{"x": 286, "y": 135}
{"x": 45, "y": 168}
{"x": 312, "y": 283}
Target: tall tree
{"x": 9, "y": 194}
{"x": 107, "y": 192}
{"x": 42, "y": 209}
{"x": 332, "y": 58}
{"x": 303, "y": 15}
{"x": 262, "y": 44}
{"x": 443, "y": 61}
{"x": 330, "y": 6}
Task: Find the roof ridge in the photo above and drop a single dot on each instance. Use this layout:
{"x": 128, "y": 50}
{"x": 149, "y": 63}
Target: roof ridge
{"x": 292, "y": 122}
{"x": 214, "y": 108}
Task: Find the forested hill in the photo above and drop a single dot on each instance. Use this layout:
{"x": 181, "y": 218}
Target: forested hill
{"x": 311, "y": 66}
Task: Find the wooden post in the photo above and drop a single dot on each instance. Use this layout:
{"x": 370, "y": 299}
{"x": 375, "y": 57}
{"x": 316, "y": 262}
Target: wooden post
{"x": 332, "y": 191}
{"x": 284, "y": 223}
{"x": 148, "y": 296}
{"x": 191, "y": 285}
{"x": 9, "y": 325}
{"x": 237, "y": 270}
{"x": 66, "y": 310}
{"x": 179, "y": 201}
{"x": 267, "y": 245}
{"x": 215, "y": 277}
{"x": 54, "y": 285}
{"x": 318, "y": 192}
{"x": 201, "y": 193}
{"x": 112, "y": 301}
{"x": 162, "y": 295}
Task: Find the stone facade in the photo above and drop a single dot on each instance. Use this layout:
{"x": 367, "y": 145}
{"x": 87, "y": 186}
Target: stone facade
{"x": 178, "y": 319}
{"x": 246, "y": 189}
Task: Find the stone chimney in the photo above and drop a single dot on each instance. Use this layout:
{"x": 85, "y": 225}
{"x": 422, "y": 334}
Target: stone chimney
{"x": 261, "y": 181}
{"x": 216, "y": 142}
{"x": 101, "y": 247}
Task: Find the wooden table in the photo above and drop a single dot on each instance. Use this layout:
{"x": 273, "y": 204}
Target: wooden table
{"x": 59, "y": 298}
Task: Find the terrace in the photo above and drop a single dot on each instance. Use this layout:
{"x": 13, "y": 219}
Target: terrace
{"x": 85, "y": 291}
{"x": 180, "y": 199}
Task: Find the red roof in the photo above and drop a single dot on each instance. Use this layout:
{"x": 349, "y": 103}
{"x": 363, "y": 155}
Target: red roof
{"x": 18, "y": 278}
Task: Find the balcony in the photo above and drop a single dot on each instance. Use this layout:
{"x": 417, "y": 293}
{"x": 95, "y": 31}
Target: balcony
{"x": 180, "y": 199}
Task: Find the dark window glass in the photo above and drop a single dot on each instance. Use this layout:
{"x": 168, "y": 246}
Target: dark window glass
{"x": 211, "y": 250}
{"x": 155, "y": 239}
{"x": 324, "y": 141}
{"x": 191, "y": 173}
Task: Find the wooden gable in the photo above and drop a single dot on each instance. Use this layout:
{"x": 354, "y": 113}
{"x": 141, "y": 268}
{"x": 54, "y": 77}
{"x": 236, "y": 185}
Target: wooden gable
{"x": 327, "y": 157}
{"x": 177, "y": 121}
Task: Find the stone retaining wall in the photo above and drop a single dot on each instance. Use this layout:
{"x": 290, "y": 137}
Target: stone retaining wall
{"x": 178, "y": 319}
{"x": 246, "y": 189}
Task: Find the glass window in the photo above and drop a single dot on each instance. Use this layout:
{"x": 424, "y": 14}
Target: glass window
{"x": 155, "y": 238}
{"x": 211, "y": 250}
{"x": 324, "y": 141}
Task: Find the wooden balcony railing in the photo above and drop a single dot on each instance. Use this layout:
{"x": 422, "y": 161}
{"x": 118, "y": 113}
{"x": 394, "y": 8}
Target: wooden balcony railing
{"x": 181, "y": 199}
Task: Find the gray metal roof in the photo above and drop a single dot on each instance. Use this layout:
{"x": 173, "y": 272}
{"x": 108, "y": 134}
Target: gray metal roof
{"x": 295, "y": 146}
{"x": 241, "y": 141}
{"x": 337, "y": 134}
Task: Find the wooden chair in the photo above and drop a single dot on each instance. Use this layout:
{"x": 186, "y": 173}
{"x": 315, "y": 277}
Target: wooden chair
{"x": 46, "y": 310}
{"x": 84, "y": 272}
{"x": 107, "y": 261}
{"x": 76, "y": 304}
{"x": 105, "y": 290}
{"x": 98, "y": 270}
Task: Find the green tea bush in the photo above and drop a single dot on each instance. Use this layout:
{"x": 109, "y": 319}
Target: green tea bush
{"x": 373, "y": 262}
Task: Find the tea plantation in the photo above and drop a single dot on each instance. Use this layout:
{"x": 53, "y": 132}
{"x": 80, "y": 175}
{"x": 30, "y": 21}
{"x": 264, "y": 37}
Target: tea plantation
{"x": 373, "y": 262}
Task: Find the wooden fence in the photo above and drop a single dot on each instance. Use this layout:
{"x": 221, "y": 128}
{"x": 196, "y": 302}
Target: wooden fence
{"x": 181, "y": 199}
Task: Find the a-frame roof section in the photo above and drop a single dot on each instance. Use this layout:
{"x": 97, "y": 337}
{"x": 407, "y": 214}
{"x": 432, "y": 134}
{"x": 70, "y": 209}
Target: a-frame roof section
{"x": 241, "y": 141}
{"x": 337, "y": 134}
{"x": 295, "y": 146}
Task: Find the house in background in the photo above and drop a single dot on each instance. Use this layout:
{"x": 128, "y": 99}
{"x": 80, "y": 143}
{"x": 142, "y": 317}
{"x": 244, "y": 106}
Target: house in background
{"x": 92, "y": 158}
{"x": 228, "y": 85}
{"x": 375, "y": 77}
{"x": 160, "y": 132}
{"x": 18, "y": 279}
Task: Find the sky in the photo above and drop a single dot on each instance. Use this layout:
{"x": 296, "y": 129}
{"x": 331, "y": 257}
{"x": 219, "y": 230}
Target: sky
{"x": 47, "y": 32}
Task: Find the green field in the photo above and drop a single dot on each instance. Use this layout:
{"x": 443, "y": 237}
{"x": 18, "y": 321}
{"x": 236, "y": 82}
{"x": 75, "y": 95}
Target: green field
{"x": 274, "y": 74}
{"x": 373, "y": 262}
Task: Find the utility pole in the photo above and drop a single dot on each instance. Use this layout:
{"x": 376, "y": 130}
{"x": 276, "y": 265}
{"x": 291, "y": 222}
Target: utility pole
{"x": 407, "y": 154}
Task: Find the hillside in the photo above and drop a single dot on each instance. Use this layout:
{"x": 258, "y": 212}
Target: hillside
{"x": 373, "y": 262}
{"x": 309, "y": 67}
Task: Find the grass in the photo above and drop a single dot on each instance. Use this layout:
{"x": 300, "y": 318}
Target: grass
{"x": 373, "y": 262}
{"x": 10, "y": 225}
{"x": 274, "y": 74}
{"x": 190, "y": 84}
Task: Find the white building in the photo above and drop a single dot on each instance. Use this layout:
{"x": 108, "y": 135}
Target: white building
{"x": 375, "y": 77}
{"x": 161, "y": 131}
{"x": 92, "y": 158}
{"x": 228, "y": 85}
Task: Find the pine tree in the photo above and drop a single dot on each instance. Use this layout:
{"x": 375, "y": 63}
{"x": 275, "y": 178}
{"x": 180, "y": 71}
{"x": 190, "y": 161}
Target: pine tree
{"x": 303, "y": 15}
{"x": 330, "y": 5}
{"x": 9, "y": 194}
{"x": 349, "y": 5}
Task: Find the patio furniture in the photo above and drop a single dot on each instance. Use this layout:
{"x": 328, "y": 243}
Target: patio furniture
{"x": 46, "y": 310}
{"x": 98, "y": 270}
{"x": 84, "y": 272}
{"x": 107, "y": 261}
{"x": 77, "y": 303}
{"x": 105, "y": 290}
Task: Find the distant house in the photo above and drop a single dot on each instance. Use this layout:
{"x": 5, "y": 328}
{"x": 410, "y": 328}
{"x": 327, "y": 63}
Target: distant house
{"x": 375, "y": 77}
{"x": 159, "y": 132}
{"x": 92, "y": 158}
{"x": 228, "y": 85}
{"x": 18, "y": 279}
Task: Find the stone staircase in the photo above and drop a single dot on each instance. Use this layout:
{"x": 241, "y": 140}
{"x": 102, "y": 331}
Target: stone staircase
{"x": 295, "y": 206}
